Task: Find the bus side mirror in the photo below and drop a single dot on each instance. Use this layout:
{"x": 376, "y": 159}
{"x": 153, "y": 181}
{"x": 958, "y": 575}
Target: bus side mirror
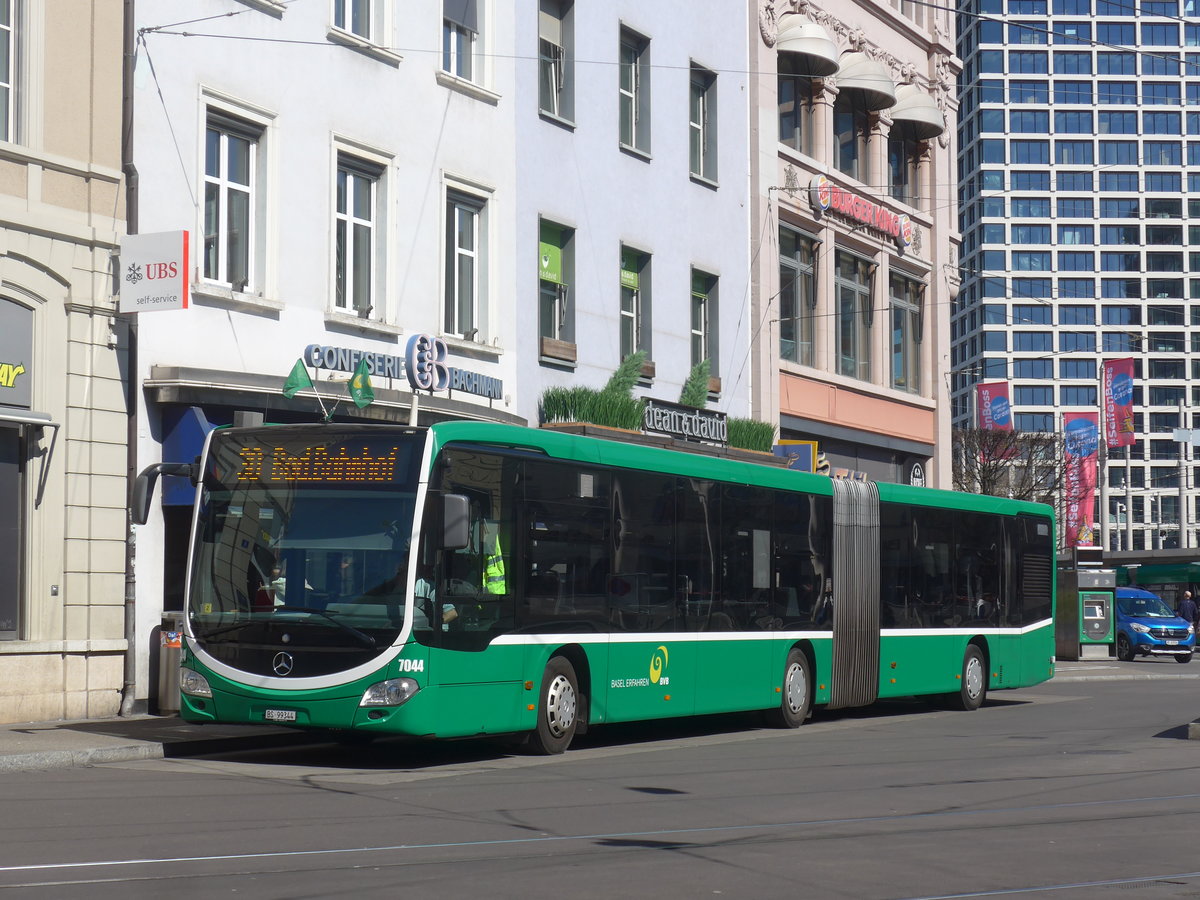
{"x": 143, "y": 487}
{"x": 456, "y": 522}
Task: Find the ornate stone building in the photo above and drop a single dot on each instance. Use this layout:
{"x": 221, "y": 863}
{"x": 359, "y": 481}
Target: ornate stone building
{"x": 62, "y": 397}
{"x": 854, "y": 232}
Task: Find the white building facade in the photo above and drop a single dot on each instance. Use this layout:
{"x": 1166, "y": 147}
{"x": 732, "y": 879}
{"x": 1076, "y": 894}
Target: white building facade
{"x": 539, "y": 188}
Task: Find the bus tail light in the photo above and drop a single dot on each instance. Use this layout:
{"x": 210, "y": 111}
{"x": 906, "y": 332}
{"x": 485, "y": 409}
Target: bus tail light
{"x": 392, "y": 692}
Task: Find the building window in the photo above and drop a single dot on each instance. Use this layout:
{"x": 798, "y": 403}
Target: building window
{"x": 702, "y": 124}
{"x": 356, "y": 234}
{"x": 555, "y": 275}
{"x": 466, "y": 239}
{"x": 556, "y": 61}
{"x": 704, "y": 311}
{"x": 8, "y": 68}
{"x": 907, "y": 299}
{"x": 460, "y": 38}
{"x": 797, "y": 295}
{"x": 230, "y": 168}
{"x": 635, "y": 285}
{"x": 853, "y": 285}
{"x": 634, "y": 87}
{"x": 904, "y": 164}
{"x": 353, "y": 16}
{"x": 851, "y": 126}
{"x": 795, "y": 112}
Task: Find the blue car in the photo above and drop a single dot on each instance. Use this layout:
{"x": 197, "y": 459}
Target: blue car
{"x": 1146, "y": 626}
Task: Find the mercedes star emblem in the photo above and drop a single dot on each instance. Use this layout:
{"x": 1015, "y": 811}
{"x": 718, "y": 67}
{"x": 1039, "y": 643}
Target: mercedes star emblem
{"x": 282, "y": 663}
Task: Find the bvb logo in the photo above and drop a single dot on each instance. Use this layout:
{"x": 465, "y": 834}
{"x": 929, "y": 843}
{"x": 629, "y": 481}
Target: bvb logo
{"x": 658, "y": 664}
{"x": 134, "y": 275}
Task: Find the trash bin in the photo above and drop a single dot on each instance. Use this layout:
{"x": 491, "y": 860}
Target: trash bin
{"x": 170, "y": 648}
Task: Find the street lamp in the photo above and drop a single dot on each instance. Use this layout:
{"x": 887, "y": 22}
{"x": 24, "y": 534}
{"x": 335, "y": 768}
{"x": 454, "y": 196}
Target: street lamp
{"x": 1120, "y": 521}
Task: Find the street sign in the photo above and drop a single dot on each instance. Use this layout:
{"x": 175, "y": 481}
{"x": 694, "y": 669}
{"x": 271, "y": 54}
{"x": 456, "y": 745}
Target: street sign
{"x": 1187, "y": 435}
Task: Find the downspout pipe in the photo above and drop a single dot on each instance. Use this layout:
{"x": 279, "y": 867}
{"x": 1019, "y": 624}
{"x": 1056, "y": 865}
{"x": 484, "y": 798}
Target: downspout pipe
{"x": 129, "y": 59}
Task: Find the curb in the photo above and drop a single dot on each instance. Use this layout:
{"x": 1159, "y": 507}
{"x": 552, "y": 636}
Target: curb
{"x": 69, "y": 759}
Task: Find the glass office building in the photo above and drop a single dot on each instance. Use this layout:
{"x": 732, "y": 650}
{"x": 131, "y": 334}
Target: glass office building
{"x": 1079, "y": 190}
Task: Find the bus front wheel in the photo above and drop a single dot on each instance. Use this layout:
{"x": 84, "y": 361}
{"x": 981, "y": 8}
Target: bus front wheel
{"x": 558, "y": 708}
{"x": 793, "y": 709}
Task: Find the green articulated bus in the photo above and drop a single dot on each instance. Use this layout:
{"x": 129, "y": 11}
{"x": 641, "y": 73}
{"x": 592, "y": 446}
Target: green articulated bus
{"x": 474, "y": 579}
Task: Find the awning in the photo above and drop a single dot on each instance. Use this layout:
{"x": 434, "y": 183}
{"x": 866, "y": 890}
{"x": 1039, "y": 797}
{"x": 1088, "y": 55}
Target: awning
{"x": 861, "y": 73}
{"x": 918, "y": 111}
{"x": 1159, "y": 574}
{"x": 25, "y": 417}
{"x": 35, "y": 420}
{"x": 805, "y": 48}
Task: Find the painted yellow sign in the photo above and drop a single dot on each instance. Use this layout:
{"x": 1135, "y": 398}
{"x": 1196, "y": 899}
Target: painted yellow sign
{"x": 9, "y": 373}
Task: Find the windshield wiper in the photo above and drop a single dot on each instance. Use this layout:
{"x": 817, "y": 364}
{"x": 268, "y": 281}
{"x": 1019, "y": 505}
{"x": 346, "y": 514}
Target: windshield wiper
{"x": 366, "y": 639}
{"x": 234, "y": 627}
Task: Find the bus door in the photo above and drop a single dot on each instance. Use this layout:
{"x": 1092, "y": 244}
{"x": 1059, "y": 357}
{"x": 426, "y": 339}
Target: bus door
{"x": 651, "y": 672}
{"x": 469, "y": 612}
{"x": 725, "y": 534}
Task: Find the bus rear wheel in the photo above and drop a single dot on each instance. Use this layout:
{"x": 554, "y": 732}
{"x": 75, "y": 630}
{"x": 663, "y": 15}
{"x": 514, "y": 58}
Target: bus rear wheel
{"x": 973, "y": 689}
{"x": 794, "y": 707}
{"x": 558, "y": 708}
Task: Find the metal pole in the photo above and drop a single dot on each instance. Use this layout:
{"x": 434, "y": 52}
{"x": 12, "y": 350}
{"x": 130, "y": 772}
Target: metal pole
{"x": 1102, "y": 463}
{"x": 1128, "y": 501}
{"x": 1183, "y": 480}
{"x": 129, "y": 687}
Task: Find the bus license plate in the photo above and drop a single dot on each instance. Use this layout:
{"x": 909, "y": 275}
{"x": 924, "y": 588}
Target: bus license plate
{"x": 280, "y": 715}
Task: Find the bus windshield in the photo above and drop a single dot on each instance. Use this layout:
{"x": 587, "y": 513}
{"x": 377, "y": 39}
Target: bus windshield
{"x": 296, "y": 531}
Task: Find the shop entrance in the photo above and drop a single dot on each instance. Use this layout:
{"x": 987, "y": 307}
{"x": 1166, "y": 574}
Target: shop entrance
{"x": 11, "y": 517}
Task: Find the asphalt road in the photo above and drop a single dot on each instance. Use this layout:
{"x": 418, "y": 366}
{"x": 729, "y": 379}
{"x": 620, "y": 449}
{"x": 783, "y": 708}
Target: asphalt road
{"x": 1073, "y": 789}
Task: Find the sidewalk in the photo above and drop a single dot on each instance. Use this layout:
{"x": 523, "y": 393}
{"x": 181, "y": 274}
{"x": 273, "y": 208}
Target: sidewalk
{"x": 56, "y": 745}
{"x": 64, "y": 744}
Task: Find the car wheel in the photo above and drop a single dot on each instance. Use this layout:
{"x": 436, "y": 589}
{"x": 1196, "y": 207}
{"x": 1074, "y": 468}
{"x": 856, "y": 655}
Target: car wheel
{"x": 1124, "y": 649}
{"x": 1183, "y": 657}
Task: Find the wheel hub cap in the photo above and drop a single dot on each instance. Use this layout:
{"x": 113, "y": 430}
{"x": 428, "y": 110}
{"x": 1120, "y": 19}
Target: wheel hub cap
{"x": 560, "y": 706}
{"x": 796, "y": 688}
{"x": 974, "y": 678}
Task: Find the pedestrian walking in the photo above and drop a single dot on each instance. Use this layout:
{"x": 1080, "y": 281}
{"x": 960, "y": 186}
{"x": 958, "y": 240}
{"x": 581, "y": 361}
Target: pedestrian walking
{"x": 1187, "y": 608}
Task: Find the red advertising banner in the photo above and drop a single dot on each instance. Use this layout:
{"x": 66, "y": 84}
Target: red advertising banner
{"x": 995, "y": 409}
{"x": 1118, "y": 402}
{"x": 1081, "y": 440}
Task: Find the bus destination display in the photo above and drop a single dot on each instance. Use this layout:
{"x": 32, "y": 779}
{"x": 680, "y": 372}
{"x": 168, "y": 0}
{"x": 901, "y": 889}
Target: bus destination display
{"x": 317, "y": 464}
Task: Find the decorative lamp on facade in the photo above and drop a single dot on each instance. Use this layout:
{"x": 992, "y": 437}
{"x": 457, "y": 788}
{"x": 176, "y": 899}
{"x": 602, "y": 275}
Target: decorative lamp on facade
{"x": 919, "y": 111}
{"x": 805, "y": 48}
{"x": 861, "y": 73}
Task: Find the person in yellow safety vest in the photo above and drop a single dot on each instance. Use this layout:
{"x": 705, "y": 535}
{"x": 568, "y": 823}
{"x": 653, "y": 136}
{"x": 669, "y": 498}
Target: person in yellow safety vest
{"x": 493, "y": 572}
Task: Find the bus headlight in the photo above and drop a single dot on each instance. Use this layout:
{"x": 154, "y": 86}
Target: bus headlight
{"x": 1139, "y": 627}
{"x": 392, "y": 692}
{"x": 193, "y": 683}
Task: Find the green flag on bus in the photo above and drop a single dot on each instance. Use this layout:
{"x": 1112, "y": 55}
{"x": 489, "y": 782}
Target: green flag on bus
{"x": 297, "y": 380}
{"x": 360, "y": 388}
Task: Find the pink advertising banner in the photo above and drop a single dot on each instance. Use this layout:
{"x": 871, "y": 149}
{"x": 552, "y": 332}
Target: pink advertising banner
{"x": 995, "y": 410}
{"x": 1118, "y": 402}
{"x": 1081, "y": 441}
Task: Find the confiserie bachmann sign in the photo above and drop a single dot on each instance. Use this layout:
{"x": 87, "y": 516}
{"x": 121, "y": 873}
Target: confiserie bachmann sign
{"x": 685, "y": 422}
